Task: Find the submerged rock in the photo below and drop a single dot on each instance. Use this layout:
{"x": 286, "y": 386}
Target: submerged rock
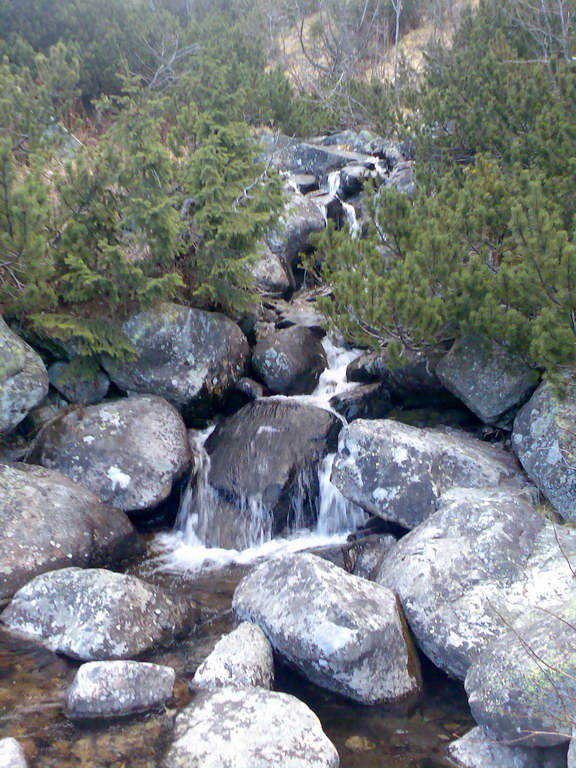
{"x": 23, "y": 379}
{"x": 249, "y": 728}
{"x": 544, "y": 439}
{"x": 474, "y": 567}
{"x": 118, "y": 688}
{"x": 239, "y": 659}
{"x": 49, "y": 522}
{"x": 190, "y": 357}
{"x": 290, "y": 361}
{"x": 486, "y": 379}
{"x": 11, "y": 754}
{"x": 95, "y": 614}
{"x": 129, "y": 452}
{"x": 399, "y": 472}
{"x": 476, "y": 750}
{"x": 341, "y": 632}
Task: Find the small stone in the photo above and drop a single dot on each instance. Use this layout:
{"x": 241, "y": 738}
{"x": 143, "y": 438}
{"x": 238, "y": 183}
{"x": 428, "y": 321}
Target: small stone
{"x": 359, "y": 744}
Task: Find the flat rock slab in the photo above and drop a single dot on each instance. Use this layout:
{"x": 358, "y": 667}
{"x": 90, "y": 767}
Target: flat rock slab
{"x": 49, "y": 522}
{"x": 399, "y": 472}
{"x": 95, "y": 614}
{"x": 484, "y": 559}
{"x": 128, "y": 452}
{"x": 544, "y": 439}
{"x": 249, "y": 728}
{"x": 12, "y": 754}
{"x": 240, "y": 659}
{"x": 476, "y": 750}
{"x": 342, "y": 632}
{"x": 118, "y": 688}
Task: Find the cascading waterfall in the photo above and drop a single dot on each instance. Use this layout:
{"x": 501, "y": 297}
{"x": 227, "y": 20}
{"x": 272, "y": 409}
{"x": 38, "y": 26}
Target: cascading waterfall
{"x": 186, "y": 548}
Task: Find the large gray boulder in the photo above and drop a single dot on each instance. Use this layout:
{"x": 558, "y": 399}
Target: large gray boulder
{"x": 77, "y": 389}
{"x": 544, "y": 439}
{"x": 129, "y": 452}
{"x": 190, "y": 357}
{"x": 239, "y": 659}
{"x": 23, "y": 379}
{"x": 270, "y": 275}
{"x": 476, "y": 750}
{"x": 475, "y": 566}
{"x": 118, "y": 688}
{"x": 264, "y": 461}
{"x": 403, "y": 178}
{"x": 249, "y": 728}
{"x": 49, "y": 522}
{"x": 95, "y": 614}
{"x": 341, "y": 632}
{"x": 11, "y": 754}
{"x": 522, "y": 687}
{"x": 487, "y": 379}
{"x": 399, "y": 472}
{"x": 290, "y": 361}
{"x": 301, "y": 218}
{"x": 320, "y": 160}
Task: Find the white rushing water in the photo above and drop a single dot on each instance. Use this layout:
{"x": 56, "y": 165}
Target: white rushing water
{"x": 184, "y": 549}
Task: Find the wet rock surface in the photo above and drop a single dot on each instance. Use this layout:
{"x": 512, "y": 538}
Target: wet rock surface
{"x": 240, "y": 659}
{"x": 23, "y": 379}
{"x": 129, "y": 452}
{"x": 249, "y": 728}
{"x": 290, "y": 361}
{"x": 118, "y": 688}
{"x": 474, "y": 567}
{"x": 544, "y": 439}
{"x": 96, "y": 614}
{"x": 48, "y": 522}
{"x": 347, "y": 635}
{"x": 190, "y": 357}
{"x": 399, "y": 472}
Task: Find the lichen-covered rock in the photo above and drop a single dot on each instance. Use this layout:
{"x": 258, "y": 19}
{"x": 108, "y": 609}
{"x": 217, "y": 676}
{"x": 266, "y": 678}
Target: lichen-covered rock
{"x": 23, "y": 379}
{"x": 270, "y": 275}
{"x": 399, "y": 472}
{"x": 491, "y": 383}
{"x": 190, "y": 357}
{"x": 544, "y": 439}
{"x": 249, "y": 728}
{"x": 343, "y": 633}
{"x": 128, "y": 452}
{"x": 118, "y": 688}
{"x": 301, "y": 218}
{"x": 239, "y": 659}
{"x": 11, "y": 754}
{"x": 476, "y": 750}
{"x": 76, "y": 389}
{"x": 96, "y": 615}
{"x": 521, "y": 688}
{"x": 290, "y": 361}
{"x": 49, "y": 522}
{"x": 264, "y": 460}
{"x": 484, "y": 559}
{"x": 320, "y": 160}
{"x": 403, "y": 178}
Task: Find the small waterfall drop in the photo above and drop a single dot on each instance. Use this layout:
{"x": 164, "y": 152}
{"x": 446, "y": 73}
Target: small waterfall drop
{"x": 333, "y": 185}
{"x": 187, "y": 547}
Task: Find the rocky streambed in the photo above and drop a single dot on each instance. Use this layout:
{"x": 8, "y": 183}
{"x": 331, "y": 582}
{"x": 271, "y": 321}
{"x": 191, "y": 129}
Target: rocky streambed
{"x": 257, "y": 546}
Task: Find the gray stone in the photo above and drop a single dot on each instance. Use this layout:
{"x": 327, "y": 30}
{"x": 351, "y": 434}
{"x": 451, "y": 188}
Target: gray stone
{"x": 11, "y": 754}
{"x": 190, "y": 357}
{"x": 321, "y": 160}
{"x": 129, "y": 452}
{"x": 522, "y": 687}
{"x": 250, "y": 389}
{"x": 476, "y": 750}
{"x": 486, "y": 379}
{"x": 366, "y": 401}
{"x": 95, "y": 615}
{"x": 290, "y": 361}
{"x": 301, "y": 218}
{"x": 402, "y": 178}
{"x": 270, "y": 275}
{"x": 341, "y": 632}
{"x": 399, "y": 472}
{"x": 480, "y": 562}
{"x": 118, "y": 688}
{"x": 239, "y": 659}
{"x": 249, "y": 728}
{"x": 363, "y": 557}
{"x": 572, "y": 752}
{"x": 75, "y": 389}
{"x": 38, "y": 417}
{"x": 544, "y": 439}
{"x": 49, "y": 522}
{"x": 23, "y": 379}
{"x": 305, "y": 182}
{"x": 267, "y": 454}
